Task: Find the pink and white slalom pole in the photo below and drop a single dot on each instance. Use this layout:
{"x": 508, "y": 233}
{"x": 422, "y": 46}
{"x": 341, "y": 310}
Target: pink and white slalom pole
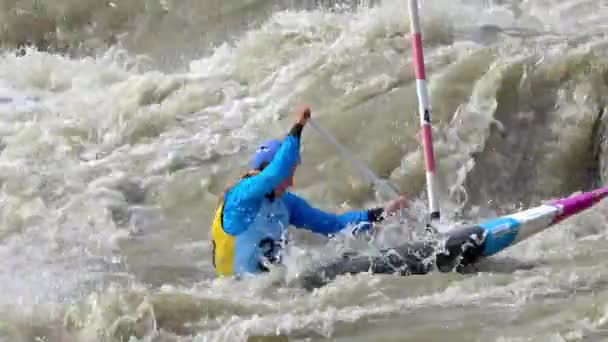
{"x": 424, "y": 110}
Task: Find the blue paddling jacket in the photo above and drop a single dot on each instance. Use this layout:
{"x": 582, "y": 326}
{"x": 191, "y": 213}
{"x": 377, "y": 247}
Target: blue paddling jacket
{"x": 250, "y": 224}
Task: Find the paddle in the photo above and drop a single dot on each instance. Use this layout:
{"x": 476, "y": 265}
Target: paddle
{"x": 384, "y": 187}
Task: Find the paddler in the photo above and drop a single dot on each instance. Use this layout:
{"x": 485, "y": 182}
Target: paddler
{"x": 250, "y": 225}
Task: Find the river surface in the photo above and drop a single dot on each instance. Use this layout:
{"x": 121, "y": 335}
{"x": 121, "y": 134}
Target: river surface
{"x": 124, "y": 124}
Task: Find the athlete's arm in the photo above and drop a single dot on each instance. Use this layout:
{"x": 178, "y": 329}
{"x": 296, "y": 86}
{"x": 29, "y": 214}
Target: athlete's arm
{"x": 277, "y": 170}
{"x": 281, "y": 165}
{"x": 242, "y": 200}
{"x": 303, "y": 215}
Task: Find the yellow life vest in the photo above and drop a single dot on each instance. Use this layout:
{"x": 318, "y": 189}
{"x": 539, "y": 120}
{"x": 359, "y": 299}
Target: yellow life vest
{"x": 222, "y": 243}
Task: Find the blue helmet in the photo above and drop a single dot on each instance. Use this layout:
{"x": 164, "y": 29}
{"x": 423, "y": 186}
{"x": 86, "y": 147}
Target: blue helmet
{"x": 264, "y": 154}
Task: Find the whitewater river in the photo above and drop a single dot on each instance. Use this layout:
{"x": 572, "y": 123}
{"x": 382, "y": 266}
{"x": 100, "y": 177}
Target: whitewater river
{"x": 119, "y": 132}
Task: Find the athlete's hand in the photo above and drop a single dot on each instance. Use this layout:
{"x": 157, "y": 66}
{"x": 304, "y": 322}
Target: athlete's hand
{"x": 302, "y": 114}
{"x": 396, "y": 205}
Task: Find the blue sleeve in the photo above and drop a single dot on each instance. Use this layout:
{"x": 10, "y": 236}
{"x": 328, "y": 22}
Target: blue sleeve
{"x": 277, "y": 171}
{"x": 302, "y": 215}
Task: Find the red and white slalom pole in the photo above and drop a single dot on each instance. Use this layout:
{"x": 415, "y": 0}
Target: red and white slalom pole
{"x": 424, "y": 110}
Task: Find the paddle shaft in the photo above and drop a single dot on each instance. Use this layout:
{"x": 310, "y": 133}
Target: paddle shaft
{"x": 381, "y": 186}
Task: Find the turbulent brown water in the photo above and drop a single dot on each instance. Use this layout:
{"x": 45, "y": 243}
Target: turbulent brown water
{"x": 122, "y": 127}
